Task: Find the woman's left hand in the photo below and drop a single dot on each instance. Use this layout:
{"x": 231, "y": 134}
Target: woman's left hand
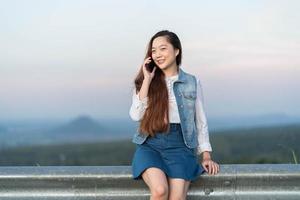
{"x": 210, "y": 166}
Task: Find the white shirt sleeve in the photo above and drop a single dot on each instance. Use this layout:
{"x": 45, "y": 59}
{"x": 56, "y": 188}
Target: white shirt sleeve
{"x": 138, "y": 106}
{"x": 201, "y": 122}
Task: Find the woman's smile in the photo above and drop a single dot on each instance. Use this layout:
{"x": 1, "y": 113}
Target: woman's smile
{"x": 160, "y": 61}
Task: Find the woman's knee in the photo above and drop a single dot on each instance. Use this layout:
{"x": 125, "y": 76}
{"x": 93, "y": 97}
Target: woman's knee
{"x": 159, "y": 190}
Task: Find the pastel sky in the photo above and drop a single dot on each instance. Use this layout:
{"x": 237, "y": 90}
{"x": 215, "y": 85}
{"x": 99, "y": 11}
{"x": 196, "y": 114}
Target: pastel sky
{"x": 63, "y": 58}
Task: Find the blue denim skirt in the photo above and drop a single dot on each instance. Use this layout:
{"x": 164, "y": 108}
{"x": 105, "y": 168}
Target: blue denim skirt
{"x": 168, "y": 152}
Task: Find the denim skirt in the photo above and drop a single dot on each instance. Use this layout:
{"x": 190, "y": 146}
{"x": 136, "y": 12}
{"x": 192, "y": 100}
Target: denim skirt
{"x": 168, "y": 152}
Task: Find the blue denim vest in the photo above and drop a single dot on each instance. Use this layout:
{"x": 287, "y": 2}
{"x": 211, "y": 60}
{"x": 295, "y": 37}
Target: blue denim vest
{"x": 185, "y": 89}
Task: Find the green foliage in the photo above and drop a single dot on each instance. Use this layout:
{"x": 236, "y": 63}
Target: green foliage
{"x": 256, "y": 145}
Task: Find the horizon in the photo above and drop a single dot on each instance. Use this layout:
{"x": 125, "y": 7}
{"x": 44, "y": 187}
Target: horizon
{"x": 99, "y": 119}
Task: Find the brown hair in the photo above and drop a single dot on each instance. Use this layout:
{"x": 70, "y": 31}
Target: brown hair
{"x": 156, "y": 116}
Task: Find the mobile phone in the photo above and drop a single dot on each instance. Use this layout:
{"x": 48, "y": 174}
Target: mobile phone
{"x": 150, "y": 65}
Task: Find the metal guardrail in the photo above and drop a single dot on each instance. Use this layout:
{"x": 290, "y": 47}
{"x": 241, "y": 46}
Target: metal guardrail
{"x": 238, "y": 181}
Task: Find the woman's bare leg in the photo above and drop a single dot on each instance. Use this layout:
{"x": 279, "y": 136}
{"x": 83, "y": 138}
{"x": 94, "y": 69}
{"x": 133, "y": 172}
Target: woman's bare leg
{"x": 178, "y": 188}
{"x": 157, "y": 182}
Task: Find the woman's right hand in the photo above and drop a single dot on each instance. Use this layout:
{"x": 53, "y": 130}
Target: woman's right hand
{"x": 148, "y": 75}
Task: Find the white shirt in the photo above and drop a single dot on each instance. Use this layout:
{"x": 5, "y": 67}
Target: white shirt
{"x": 139, "y": 106}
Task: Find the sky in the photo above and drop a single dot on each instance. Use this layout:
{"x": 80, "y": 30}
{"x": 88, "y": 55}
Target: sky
{"x": 63, "y": 58}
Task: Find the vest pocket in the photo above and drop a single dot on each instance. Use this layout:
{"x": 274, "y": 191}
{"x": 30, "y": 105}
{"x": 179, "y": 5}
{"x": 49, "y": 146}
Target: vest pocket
{"x": 189, "y": 95}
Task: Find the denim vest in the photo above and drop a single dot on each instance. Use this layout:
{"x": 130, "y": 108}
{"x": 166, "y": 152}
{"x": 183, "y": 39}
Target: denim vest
{"x": 185, "y": 93}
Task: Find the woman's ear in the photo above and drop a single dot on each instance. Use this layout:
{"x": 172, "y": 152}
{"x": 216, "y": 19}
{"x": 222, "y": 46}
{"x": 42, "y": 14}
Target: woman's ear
{"x": 176, "y": 52}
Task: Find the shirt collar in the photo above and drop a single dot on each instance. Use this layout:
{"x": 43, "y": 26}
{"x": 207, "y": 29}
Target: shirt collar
{"x": 181, "y": 75}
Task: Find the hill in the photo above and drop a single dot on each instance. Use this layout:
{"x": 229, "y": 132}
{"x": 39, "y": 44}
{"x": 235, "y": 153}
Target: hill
{"x": 80, "y": 129}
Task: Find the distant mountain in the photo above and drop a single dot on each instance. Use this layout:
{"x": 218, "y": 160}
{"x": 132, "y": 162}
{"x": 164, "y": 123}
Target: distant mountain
{"x": 82, "y": 128}
{"x": 248, "y": 121}
{"x": 87, "y": 129}
{"x": 81, "y": 124}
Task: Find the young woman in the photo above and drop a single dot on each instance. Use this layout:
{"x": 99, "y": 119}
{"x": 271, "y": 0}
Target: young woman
{"x": 173, "y": 130}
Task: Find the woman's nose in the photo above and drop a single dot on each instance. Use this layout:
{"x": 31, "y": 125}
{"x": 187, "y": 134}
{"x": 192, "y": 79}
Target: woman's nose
{"x": 158, "y": 54}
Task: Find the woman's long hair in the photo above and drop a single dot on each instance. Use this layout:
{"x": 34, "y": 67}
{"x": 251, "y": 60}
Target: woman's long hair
{"x": 156, "y": 116}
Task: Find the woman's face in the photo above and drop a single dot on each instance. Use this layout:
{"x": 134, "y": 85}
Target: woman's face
{"x": 163, "y": 53}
